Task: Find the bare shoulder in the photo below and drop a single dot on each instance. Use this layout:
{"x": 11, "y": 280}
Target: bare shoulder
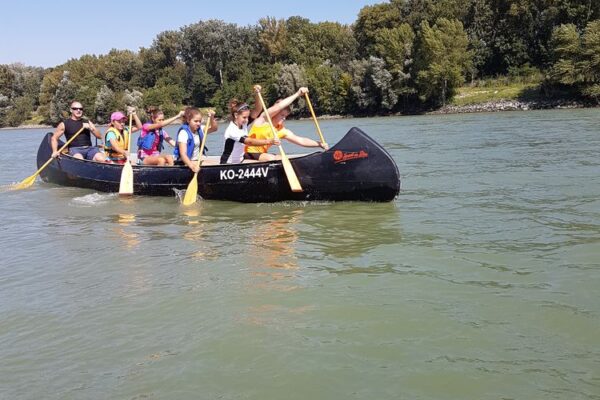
{"x": 60, "y": 128}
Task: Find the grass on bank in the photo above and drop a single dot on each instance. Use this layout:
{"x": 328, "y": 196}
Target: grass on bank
{"x": 500, "y": 89}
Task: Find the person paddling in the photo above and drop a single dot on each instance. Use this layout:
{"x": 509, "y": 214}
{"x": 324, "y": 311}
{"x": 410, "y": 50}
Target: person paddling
{"x": 116, "y": 138}
{"x": 262, "y": 130}
{"x": 81, "y": 147}
{"x": 236, "y": 134}
{"x": 150, "y": 141}
{"x": 189, "y": 137}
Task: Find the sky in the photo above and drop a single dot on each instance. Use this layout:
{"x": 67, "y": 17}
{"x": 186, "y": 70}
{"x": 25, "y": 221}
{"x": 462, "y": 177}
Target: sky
{"x": 48, "y": 33}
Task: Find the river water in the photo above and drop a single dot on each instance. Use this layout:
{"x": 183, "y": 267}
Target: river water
{"x": 480, "y": 281}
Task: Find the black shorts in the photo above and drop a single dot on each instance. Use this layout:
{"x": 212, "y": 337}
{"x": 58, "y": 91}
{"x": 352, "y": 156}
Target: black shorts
{"x": 252, "y": 156}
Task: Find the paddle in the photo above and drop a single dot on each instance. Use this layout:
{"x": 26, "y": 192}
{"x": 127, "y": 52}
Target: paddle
{"x": 126, "y": 186}
{"x": 25, "y": 183}
{"x": 312, "y": 112}
{"x": 191, "y": 194}
{"x": 287, "y": 165}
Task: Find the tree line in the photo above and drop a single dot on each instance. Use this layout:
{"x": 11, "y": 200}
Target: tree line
{"x": 398, "y": 56}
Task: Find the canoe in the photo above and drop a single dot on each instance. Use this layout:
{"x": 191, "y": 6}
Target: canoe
{"x": 357, "y": 168}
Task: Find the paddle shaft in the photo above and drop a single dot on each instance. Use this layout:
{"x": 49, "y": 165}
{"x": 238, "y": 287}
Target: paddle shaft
{"x": 287, "y": 165}
{"x": 129, "y": 135}
{"x": 262, "y": 102}
{"x": 61, "y": 149}
{"x": 126, "y": 185}
{"x": 206, "y": 127}
{"x": 314, "y": 117}
{"x": 191, "y": 194}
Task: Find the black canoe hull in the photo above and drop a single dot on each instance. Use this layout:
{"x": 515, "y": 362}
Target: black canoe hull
{"x": 357, "y": 168}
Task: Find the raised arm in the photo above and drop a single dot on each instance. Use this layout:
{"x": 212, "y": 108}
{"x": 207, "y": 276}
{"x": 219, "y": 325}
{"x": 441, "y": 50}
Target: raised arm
{"x": 164, "y": 123}
{"x": 136, "y": 119}
{"x": 255, "y": 113}
{"x": 214, "y": 125}
{"x": 277, "y": 107}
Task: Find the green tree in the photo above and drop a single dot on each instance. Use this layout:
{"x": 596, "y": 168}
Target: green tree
{"x": 591, "y": 64}
{"x": 566, "y": 44}
{"x": 370, "y": 20}
{"x": 19, "y": 89}
{"x": 118, "y": 68}
{"x": 273, "y": 36}
{"x": 133, "y": 98}
{"x": 480, "y": 30}
{"x": 372, "y": 87}
{"x": 223, "y": 49}
{"x": 105, "y": 104}
{"x": 576, "y": 60}
{"x": 290, "y": 78}
{"x": 442, "y": 60}
{"x": 328, "y": 89}
{"x": 61, "y": 101}
{"x": 20, "y": 111}
{"x": 4, "y": 108}
{"x": 7, "y": 78}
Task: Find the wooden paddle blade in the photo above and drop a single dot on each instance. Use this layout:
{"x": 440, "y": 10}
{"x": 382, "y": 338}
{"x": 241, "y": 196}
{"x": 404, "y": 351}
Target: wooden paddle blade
{"x": 126, "y": 186}
{"x": 25, "y": 183}
{"x": 290, "y": 173}
{"x": 191, "y": 194}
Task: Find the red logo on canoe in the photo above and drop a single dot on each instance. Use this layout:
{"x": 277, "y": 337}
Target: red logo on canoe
{"x": 342, "y": 156}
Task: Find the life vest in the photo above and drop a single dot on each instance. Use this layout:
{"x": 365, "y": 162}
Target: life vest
{"x": 263, "y": 132}
{"x": 122, "y": 141}
{"x": 189, "y": 143}
{"x": 146, "y": 142}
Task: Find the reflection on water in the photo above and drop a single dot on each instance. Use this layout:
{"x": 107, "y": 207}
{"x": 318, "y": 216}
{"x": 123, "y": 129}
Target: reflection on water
{"x": 342, "y": 232}
{"x": 271, "y": 257}
{"x": 275, "y": 240}
{"x": 129, "y": 237}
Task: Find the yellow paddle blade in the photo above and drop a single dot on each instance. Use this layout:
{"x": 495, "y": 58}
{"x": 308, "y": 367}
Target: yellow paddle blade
{"x": 191, "y": 194}
{"x": 126, "y": 185}
{"x": 25, "y": 183}
{"x": 290, "y": 173}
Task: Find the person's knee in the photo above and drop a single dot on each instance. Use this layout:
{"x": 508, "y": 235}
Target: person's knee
{"x": 161, "y": 162}
{"x": 78, "y": 155}
{"x": 99, "y": 157}
{"x": 266, "y": 157}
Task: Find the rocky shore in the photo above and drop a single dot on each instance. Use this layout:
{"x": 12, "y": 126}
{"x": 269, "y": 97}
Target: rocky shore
{"x": 508, "y": 105}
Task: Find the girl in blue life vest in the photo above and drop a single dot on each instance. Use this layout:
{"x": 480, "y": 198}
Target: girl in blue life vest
{"x": 189, "y": 137}
{"x": 116, "y": 137}
{"x": 150, "y": 141}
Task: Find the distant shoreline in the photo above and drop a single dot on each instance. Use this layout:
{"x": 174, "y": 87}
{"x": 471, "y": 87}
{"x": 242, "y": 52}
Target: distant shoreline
{"x": 491, "y": 106}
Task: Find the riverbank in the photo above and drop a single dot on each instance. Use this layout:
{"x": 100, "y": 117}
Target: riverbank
{"x": 488, "y": 106}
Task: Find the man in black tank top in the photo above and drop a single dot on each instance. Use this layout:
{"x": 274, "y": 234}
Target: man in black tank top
{"x": 81, "y": 146}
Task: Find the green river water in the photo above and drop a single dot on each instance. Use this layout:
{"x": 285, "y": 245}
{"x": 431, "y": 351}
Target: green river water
{"x": 480, "y": 281}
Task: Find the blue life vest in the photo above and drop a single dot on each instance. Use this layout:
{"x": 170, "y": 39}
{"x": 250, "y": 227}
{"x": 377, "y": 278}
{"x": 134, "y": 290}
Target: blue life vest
{"x": 147, "y": 142}
{"x": 189, "y": 143}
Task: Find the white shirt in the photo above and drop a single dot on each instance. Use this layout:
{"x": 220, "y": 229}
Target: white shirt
{"x": 234, "y": 133}
{"x": 182, "y": 137}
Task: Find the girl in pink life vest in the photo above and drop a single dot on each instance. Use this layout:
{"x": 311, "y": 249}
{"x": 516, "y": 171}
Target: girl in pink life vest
{"x": 150, "y": 142}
